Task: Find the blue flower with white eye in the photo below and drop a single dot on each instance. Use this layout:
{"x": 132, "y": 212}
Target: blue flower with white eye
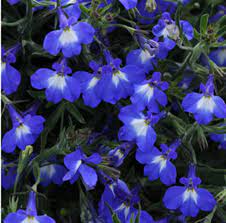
{"x": 151, "y": 50}
{"x": 8, "y": 175}
{"x": 70, "y": 36}
{"x": 167, "y": 28}
{"x": 10, "y": 77}
{"x": 58, "y": 84}
{"x": 218, "y": 56}
{"x": 138, "y": 126}
{"x": 158, "y": 164}
{"x": 76, "y": 163}
{"x": 90, "y": 83}
{"x": 189, "y": 198}
{"x": 220, "y": 138}
{"x": 205, "y": 104}
{"x": 118, "y": 154}
{"x": 121, "y": 200}
{"x": 52, "y": 173}
{"x": 117, "y": 82}
{"x": 29, "y": 215}
{"x": 25, "y": 131}
{"x": 149, "y": 93}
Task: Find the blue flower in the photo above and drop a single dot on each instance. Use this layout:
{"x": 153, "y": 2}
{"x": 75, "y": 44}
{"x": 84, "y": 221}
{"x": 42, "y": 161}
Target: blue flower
{"x": 220, "y": 138}
{"x": 218, "y": 56}
{"x": 30, "y": 215}
{"x": 52, "y": 173}
{"x": 118, "y": 154}
{"x": 76, "y": 163}
{"x": 129, "y": 4}
{"x": 13, "y": 2}
{"x": 221, "y": 11}
{"x": 121, "y": 200}
{"x": 58, "y": 84}
{"x": 25, "y": 131}
{"x": 138, "y": 126}
{"x": 8, "y": 176}
{"x": 149, "y": 93}
{"x": 90, "y": 83}
{"x": 9, "y": 75}
{"x": 70, "y": 36}
{"x": 189, "y": 198}
{"x": 117, "y": 82}
{"x": 205, "y": 105}
{"x": 158, "y": 164}
{"x": 149, "y": 53}
{"x": 167, "y": 28}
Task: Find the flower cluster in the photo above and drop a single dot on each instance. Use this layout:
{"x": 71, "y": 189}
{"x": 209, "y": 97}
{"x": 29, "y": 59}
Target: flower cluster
{"x": 125, "y": 96}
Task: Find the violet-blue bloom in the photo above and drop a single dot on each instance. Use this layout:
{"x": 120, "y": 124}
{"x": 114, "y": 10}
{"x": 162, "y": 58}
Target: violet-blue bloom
{"x": 8, "y": 176}
{"x": 58, "y": 84}
{"x": 52, "y": 173}
{"x": 76, "y": 162}
{"x": 158, "y": 164}
{"x": 150, "y": 93}
{"x": 221, "y": 11}
{"x": 29, "y": 215}
{"x": 204, "y": 105}
{"x": 70, "y": 36}
{"x": 129, "y": 4}
{"x": 121, "y": 200}
{"x": 151, "y": 50}
{"x": 117, "y": 82}
{"x": 167, "y": 28}
{"x": 138, "y": 126}
{"x": 25, "y": 131}
{"x": 220, "y": 138}
{"x": 218, "y": 56}
{"x": 189, "y": 198}
{"x": 13, "y": 2}
{"x": 10, "y": 77}
{"x": 90, "y": 83}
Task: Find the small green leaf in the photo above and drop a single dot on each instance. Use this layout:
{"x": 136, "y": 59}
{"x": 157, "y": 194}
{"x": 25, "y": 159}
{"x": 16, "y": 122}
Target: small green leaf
{"x": 71, "y": 108}
{"x": 204, "y": 23}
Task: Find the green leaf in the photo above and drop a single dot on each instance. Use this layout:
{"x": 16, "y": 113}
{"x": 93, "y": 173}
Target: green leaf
{"x": 71, "y": 108}
{"x": 204, "y": 23}
{"x": 115, "y": 218}
{"x": 137, "y": 220}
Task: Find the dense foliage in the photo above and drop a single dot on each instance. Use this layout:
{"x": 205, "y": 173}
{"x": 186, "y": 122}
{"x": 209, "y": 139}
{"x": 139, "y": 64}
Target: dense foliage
{"x": 113, "y": 111}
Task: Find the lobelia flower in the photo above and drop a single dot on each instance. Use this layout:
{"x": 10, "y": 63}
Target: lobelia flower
{"x": 117, "y": 82}
{"x": 58, "y": 84}
{"x": 221, "y": 11}
{"x": 90, "y": 83}
{"x": 30, "y": 215}
{"x": 158, "y": 164}
{"x": 189, "y": 198}
{"x": 52, "y": 173}
{"x": 13, "y": 2}
{"x": 121, "y": 200}
{"x": 171, "y": 218}
{"x": 149, "y": 93}
{"x": 118, "y": 154}
{"x": 70, "y": 36}
{"x": 138, "y": 126}
{"x": 221, "y": 138}
{"x": 10, "y": 77}
{"x": 128, "y": 4}
{"x": 205, "y": 104}
{"x": 167, "y": 28}
{"x": 8, "y": 176}
{"x": 150, "y": 51}
{"x": 218, "y": 56}
{"x": 76, "y": 163}
{"x": 25, "y": 131}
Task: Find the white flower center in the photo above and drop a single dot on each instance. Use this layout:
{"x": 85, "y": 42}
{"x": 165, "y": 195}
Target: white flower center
{"x": 3, "y": 66}
{"x": 77, "y": 165}
{"x": 190, "y": 193}
{"x": 161, "y": 160}
{"x": 117, "y": 76}
{"x": 140, "y": 126}
{"x": 68, "y": 36}
{"x": 50, "y": 170}
{"x": 93, "y": 83}
{"x": 221, "y": 56}
{"x": 147, "y": 90}
{"x": 30, "y": 220}
{"x": 22, "y": 130}
{"x": 206, "y": 104}
{"x": 145, "y": 56}
{"x": 57, "y": 81}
